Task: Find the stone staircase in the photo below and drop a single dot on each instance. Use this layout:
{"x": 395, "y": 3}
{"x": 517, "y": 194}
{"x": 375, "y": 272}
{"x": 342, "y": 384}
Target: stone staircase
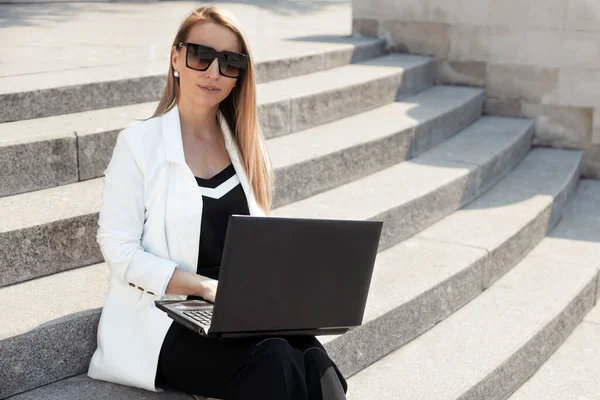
{"x": 471, "y": 292}
{"x": 489, "y": 347}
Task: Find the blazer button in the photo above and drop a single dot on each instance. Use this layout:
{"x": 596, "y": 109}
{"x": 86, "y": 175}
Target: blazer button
{"x": 141, "y": 288}
{"x": 131, "y": 284}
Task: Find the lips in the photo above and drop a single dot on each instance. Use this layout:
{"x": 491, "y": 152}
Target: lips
{"x": 210, "y": 87}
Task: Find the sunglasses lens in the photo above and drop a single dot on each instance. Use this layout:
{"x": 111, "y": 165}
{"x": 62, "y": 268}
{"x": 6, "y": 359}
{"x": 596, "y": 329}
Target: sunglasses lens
{"x": 235, "y": 60}
{"x": 199, "y": 57}
{"x": 228, "y": 70}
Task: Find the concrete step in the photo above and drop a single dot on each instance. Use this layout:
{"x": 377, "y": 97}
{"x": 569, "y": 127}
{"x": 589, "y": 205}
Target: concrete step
{"x": 310, "y": 100}
{"x": 491, "y": 345}
{"x": 71, "y": 210}
{"x": 57, "y": 150}
{"x": 511, "y": 204}
{"x": 503, "y": 137}
{"x": 344, "y": 150}
{"x": 81, "y": 387}
{"x": 68, "y": 90}
{"x": 149, "y": 36}
{"x": 573, "y": 371}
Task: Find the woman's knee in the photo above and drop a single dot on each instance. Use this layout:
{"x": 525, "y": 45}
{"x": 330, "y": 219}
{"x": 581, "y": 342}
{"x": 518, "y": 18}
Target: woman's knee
{"x": 305, "y": 342}
{"x": 318, "y": 357}
{"x": 318, "y": 364}
{"x": 274, "y": 370}
{"x": 274, "y": 350}
{"x": 277, "y": 358}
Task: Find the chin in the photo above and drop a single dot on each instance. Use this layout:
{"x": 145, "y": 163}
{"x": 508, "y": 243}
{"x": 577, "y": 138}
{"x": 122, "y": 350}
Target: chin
{"x": 207, "y": 102}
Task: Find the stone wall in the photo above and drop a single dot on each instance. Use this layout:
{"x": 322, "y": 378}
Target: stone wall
{"x": 537, "y": 58}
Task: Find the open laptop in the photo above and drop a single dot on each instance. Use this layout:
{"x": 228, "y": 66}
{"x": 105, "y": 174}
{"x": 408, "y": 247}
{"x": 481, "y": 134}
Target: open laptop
{"x": 286, "y": 276}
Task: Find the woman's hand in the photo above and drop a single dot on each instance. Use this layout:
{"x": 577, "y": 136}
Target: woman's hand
{"x": 208, "y": 289}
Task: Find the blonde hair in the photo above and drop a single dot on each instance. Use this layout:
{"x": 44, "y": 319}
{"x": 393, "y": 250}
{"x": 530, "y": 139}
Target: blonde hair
{"x": 239, "y": 108}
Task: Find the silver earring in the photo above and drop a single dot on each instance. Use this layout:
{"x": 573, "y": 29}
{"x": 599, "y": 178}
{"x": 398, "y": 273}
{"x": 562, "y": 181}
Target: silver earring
{"x": 176, "y": 73}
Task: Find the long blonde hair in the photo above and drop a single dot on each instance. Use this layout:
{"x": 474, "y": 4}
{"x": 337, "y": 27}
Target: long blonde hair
{"x": 239, "y": 108}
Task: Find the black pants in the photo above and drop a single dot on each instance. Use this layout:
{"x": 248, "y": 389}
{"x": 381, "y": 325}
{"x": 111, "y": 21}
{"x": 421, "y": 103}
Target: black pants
{"x": 290, "y": 367}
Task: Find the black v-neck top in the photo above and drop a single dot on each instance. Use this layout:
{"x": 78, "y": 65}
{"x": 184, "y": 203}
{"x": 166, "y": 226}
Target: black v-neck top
{"x": 222, "y": 196}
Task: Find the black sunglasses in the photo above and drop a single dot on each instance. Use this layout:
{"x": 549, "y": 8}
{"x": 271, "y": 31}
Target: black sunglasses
{"x": 200, "y": 57}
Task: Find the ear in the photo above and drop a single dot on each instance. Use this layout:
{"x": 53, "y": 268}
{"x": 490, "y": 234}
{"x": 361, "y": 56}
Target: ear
{"x": 174, "y": 56}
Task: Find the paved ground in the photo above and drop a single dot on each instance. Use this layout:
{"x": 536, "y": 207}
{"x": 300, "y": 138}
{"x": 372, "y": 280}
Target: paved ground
{"x": 38, "y": 38}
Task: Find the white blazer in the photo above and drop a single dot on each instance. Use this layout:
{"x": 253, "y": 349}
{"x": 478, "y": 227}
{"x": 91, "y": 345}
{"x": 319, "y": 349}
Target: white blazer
{"x": 149, "y": 224}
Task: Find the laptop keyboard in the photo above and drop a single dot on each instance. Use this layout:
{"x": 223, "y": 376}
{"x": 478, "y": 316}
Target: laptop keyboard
{"x": 202, "y": 316}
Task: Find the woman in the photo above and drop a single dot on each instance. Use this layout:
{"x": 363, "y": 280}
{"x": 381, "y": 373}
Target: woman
{"x": 169, "y": 188}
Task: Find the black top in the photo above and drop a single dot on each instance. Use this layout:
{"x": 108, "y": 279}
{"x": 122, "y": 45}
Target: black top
{"x": 222, "y": 196}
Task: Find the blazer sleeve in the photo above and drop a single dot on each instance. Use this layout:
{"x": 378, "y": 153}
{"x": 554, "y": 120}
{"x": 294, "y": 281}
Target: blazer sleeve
{"x": 121, "y": 223}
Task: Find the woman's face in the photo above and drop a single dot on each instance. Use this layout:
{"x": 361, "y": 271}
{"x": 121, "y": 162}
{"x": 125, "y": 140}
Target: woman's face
{"x": 219, "y": 38}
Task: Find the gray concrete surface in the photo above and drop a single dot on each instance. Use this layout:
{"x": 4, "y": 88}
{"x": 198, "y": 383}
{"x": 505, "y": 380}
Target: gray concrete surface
{"x": 488, "y": 347}
{"x": 573, "y": 371}
{"x": 537, "y": 189}
{"x": 78, "y": 36}
{"x": 104, "y": 55}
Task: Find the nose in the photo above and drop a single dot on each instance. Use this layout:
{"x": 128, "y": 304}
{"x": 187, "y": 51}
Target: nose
{"x": 213, "y": 68}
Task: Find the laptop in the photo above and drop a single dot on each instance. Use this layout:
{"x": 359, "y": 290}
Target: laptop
{"x": 286, "y": 276}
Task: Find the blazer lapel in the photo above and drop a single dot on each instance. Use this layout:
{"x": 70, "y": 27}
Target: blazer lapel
{"x": 183, "y": 208}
